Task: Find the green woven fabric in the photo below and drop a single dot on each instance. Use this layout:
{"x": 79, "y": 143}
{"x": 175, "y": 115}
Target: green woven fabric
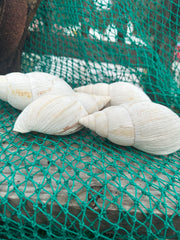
{"x": 82, "y": 186}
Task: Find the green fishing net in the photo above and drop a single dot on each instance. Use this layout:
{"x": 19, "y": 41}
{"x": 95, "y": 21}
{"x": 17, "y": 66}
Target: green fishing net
{"x": 82, "y": 186}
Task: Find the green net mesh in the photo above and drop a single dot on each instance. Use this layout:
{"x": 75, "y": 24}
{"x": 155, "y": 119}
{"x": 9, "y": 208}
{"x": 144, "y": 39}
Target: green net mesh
{"x": 82, "y": 186}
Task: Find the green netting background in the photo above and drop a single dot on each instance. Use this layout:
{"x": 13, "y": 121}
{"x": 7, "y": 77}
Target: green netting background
{"x": 82, "y": 186}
